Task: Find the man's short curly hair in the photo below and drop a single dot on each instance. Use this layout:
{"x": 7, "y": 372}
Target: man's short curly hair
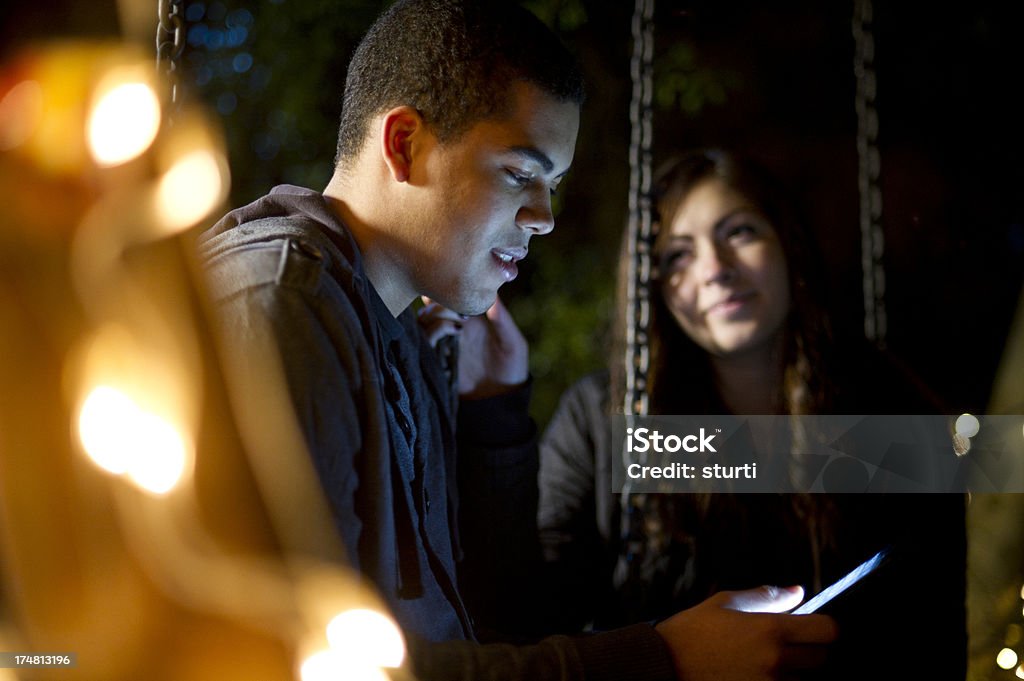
{"x": 455, "y": 62}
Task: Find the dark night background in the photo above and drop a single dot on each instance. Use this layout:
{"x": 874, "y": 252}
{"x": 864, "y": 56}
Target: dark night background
{"x": 772, "y": 80}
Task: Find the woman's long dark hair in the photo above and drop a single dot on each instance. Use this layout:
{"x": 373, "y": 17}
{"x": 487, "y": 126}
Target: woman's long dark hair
{"x": 680, "y": 379}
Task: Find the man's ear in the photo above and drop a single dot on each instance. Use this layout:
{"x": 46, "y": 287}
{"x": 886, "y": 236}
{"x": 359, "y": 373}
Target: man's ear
{"x": 397, "y": 127}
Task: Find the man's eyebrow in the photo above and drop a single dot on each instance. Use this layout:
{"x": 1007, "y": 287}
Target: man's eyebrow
{"x": 536, "y": 155}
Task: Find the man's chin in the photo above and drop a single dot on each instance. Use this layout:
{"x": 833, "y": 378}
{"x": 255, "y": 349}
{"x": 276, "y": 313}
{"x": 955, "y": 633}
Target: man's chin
{"x": 472, "y": 305}
{"x": 475, "y": 309}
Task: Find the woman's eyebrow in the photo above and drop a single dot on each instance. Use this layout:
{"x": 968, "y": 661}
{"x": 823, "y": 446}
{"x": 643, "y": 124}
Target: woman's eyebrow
{"x": 721, "y": 223}
{"x": 672, "y": 238}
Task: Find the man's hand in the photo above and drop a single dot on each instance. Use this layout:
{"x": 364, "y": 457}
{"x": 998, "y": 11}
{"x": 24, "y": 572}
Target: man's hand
{"x": 737, "y": 636}
{"x": 493, "y": 355}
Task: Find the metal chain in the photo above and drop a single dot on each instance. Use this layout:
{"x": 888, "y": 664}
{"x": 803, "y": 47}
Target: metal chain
{"x": 170, "y": 43}
{"x": 639, "y": 228}
{"x": 872, "y": 239}
{"x": 639, "y": 236}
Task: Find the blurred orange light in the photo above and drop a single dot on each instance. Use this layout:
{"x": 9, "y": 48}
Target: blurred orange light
{"x": 192, "y": 188}
{"x": 368, "y": 636}
{"x": 124, "y": 120}
{"x": 328, "y": 665}
{"x": 20, "y": 111}
{"x": 123, "y": 438}
{"x": 100, "y": 427}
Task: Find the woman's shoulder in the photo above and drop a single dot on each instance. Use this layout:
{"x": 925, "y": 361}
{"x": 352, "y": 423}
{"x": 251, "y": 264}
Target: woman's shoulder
{"x": 592, "y": 390}
{"x": 871, "y": 380}
{"x": 583, "y": 407}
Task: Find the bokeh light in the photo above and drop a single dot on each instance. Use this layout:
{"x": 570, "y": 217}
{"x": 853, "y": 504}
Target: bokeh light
{"x": 159, "y": 463}
{"x": 329, "y": 665}
{"x": 122, "y": 438}
{"x": 101, "y": 423}
{"x": 192, "y": 187}
{"x": 20, "y": 112}
{"x": 367, "y": 636}
{"x": 124, "y": 120}
{"x": 967, "y": 425}
{"x": 1007, "y": 659}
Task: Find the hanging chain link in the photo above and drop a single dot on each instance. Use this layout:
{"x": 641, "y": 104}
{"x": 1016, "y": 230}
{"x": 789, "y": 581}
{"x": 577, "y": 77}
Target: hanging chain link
{"x": 872, "y": 238}
{"x": 170, "y": 43}
{"x": 639, "y": 237}
{"x": 639, "y": 229}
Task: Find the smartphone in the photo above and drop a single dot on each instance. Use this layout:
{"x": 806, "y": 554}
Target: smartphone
{"x": 855, "y": 575}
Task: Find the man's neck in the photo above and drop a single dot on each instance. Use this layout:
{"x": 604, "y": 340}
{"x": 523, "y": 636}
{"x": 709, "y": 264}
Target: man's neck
{"x": 359, "y": 209}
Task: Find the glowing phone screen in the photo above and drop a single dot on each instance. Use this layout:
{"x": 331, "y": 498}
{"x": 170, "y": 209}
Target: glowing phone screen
{"x": 854, "y": 576}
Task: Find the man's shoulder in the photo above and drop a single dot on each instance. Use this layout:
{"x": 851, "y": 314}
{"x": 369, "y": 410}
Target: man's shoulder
{"x": 292, "y": 251}
{"x": 281, "y": 251}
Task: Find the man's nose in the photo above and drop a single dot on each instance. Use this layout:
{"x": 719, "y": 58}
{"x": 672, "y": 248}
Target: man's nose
{"x": 536, "y": 216}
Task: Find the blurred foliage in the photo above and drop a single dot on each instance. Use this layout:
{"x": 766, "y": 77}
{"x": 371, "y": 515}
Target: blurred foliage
{"x": 560, "y": 15}
{"x": 681, "y": 82}
{"x": 274, "y": 71}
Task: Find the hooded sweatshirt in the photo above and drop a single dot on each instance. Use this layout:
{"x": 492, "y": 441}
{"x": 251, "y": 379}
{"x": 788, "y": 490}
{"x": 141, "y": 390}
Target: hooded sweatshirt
{"x": 379, "y": 422}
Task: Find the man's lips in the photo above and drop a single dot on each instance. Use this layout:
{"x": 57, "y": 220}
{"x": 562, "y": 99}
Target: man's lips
{"x": 507, "y": 259}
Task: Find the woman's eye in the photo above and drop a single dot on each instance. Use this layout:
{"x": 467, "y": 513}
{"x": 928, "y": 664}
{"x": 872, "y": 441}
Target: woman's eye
{"x": 742, "y": 232}
{"x": 675, "y": 260}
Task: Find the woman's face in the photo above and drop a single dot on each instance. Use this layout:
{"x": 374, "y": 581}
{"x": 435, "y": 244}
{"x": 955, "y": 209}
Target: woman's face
{"x": 723, "y": 272}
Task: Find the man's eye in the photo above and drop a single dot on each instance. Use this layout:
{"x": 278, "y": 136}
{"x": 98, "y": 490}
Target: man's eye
{"x": 517, "y": 179}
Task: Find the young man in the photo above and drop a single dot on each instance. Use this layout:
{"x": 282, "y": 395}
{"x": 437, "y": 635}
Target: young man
{"x": 459, "y": 120}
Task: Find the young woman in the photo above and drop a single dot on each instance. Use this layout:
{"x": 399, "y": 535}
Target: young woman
{"x": 738, "y": 326}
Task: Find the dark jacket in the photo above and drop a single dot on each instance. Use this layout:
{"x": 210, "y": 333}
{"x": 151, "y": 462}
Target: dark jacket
{"x": 379, "y": 422}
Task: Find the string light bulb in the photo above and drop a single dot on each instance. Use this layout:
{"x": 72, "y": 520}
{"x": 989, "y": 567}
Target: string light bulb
{"x": 124, "y": 118}
{"x": 190, "y": 189}
{"x": 967, "y": 425}
{"x": 124, "y": 439}
{"x": 368, "y": 636}
{"x": 1006, "y": 659}
{"x": 329, "y": 665}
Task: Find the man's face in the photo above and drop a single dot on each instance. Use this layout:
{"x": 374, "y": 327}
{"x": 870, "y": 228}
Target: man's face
{"x": 478, "y": 199}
